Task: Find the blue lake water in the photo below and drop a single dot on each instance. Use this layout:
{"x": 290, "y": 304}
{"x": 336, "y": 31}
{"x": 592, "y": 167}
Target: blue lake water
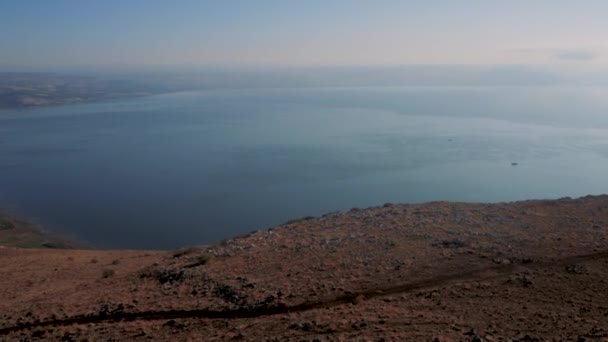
{"x": 196, "y": 167}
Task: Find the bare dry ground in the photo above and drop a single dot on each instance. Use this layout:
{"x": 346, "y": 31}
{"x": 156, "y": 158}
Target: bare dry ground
{"x": 522, "y": 271}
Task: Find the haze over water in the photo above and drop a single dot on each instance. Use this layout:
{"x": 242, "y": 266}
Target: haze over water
{"x": 196, "y": 167}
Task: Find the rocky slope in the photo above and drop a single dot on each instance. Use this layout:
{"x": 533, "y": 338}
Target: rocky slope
{"x": 523, "y": 271}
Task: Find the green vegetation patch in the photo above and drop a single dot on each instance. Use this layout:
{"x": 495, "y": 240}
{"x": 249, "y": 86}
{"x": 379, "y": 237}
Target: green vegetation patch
{"x": 42, "y": 244}
{"x": 9, "y": 240}
{"x": 199, "y": 261}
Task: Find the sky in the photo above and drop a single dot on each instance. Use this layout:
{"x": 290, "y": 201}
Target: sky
{"x": 246, "y": 33}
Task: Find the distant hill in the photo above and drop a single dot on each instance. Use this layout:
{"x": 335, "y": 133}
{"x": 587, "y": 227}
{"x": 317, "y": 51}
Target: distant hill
{"x": 20, "y": 90}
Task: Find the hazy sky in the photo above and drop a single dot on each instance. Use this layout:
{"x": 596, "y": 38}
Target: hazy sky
{"x": 43, "y": 33}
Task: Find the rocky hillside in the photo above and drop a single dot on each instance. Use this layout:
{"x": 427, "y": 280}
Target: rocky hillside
{"x": 523, "y": 271}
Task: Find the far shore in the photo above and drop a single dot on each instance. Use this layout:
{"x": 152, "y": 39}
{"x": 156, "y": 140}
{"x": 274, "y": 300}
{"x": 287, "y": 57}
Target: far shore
{"x": 21, "y": 233}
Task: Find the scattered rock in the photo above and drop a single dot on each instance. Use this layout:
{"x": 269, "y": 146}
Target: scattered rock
{"x": 471, "y": 332}
{"x": 163, "y": 276}
{"x": 501, "y": 261}
{"x": 528, "y": 338}
{"x": 108, "y": 309}
{"x": 68, "y": 337}
{"x": 576, "y": 269}
{"x": 107, "y": 273}
{"x": 524, "y": 280}
{"x": 306, "y": 326}
{"x": 173, "y": 324}
{"x": 450, "y": 244}
{"x": 38, "y": 333}
{"x": 229, "y": 294}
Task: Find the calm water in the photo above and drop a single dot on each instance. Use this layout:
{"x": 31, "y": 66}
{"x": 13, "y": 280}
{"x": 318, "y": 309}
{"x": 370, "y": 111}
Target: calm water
{"x": 196, "y": 167}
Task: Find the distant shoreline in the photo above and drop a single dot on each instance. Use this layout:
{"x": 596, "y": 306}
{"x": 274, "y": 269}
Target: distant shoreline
{"x": 84, "y": 102}
{"x": 35, "y": 90}
{"x": 21, "y": 233}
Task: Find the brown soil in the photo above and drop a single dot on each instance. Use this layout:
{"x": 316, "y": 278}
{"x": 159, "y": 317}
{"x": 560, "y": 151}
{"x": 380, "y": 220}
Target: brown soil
{"x": 523, "y": 271}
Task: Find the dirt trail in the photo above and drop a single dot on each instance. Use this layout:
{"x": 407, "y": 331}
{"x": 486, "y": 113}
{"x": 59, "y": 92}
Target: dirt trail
{"x": 471, "y": 275}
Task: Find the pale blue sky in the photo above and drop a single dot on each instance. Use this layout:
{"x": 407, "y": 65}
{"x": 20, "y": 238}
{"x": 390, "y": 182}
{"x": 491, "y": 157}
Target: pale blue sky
{"x": 44, "y": 33}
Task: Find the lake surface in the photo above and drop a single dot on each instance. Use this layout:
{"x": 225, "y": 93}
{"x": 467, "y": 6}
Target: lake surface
{"x": 196, "y": 167}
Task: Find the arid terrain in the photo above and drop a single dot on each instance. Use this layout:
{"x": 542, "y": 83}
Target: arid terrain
{"x": 522, "y": 271}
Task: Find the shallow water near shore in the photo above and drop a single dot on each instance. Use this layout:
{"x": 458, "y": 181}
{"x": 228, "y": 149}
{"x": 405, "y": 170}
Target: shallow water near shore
{"x": 196, "y": 167}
